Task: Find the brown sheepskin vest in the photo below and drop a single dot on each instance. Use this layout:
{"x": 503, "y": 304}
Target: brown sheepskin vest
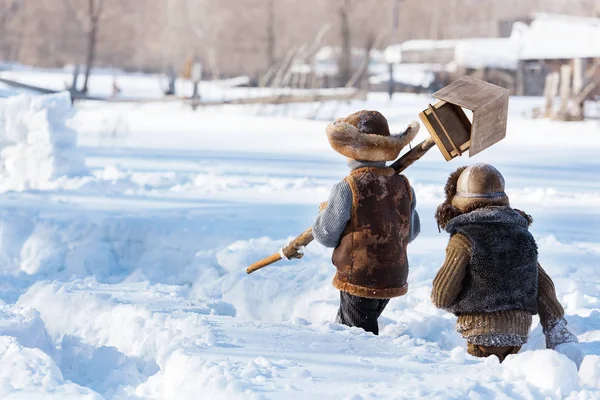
{"x": 371, "y": 257}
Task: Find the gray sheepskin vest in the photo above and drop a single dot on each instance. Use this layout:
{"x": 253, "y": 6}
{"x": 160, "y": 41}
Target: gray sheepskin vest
{"x": 503, "y": 272}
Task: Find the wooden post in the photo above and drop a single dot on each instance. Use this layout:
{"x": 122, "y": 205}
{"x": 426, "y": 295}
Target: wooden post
{"x": 75, "y": 78}
{"x": 391, "y": 81}
{"x": 550, "y": 92}
{"x": 578, "y": 82}
{"x": 565, "y": 91}
{"x": 577, "y": 76}
{"x": 520, "y": 85}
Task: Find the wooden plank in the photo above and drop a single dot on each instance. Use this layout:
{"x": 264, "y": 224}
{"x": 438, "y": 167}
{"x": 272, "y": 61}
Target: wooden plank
{"x": 550, "y": 92}
{"x": 425, "y": 118}
{"x": 464, "y": 119}
{"x": 287, "y": 99}
{"x": 20, "y": 85}
{"x": 565, "y": 90}
{"x": 548, "y": 95}
{"x": 578, "y": 69}
{"x": 489, "y": 125}
{"x": 470, "y": 93}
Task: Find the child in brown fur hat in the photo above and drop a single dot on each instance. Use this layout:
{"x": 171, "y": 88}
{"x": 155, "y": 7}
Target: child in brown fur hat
{"x": 369, "y": 219}
{"x": 491, "y": 278}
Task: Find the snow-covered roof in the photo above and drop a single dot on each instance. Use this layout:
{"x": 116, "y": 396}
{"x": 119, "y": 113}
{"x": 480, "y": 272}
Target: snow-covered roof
{"x": 548, "y": 37}
{"x": 409, "y": 74}
{"x": 428, "y": 44}
{"x": 487, "y": 52}
{"x": 328, "y": 53}
{"x": 470, "y": 53}
{"x": 561, "y": 37}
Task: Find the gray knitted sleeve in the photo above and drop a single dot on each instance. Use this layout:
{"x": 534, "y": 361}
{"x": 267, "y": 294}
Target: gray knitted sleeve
{"x": 332, "y": 221}
{"x": 415, "y": 221}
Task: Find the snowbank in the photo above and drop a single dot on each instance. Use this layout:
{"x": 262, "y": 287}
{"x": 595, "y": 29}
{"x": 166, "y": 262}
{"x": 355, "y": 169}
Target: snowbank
{"x": 26, "y": 326}
{"x": 589, "y": 372}
{"x": 30, "y": 374}
{"x": 547, "y": 370}
{"x": 153, "y": 341}
{"x": 29, "y": 359}
{"x": 6, "y": 91}
{"x": 133, "y": 347}
{"x": 36, "y": 146}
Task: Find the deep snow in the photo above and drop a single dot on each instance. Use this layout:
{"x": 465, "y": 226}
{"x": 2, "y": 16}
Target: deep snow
{"x": 125, "y": 278}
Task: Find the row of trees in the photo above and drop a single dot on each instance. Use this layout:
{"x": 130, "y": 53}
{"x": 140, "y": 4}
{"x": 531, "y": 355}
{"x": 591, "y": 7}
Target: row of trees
{"x": 240, "y": 36}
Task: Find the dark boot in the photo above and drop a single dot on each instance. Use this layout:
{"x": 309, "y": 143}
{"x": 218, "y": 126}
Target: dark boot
{"x": 360, "y": 312}
{"x": 486, "y": 351}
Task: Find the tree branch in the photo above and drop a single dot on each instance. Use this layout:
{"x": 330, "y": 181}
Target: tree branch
{"x": 13, "y": 6}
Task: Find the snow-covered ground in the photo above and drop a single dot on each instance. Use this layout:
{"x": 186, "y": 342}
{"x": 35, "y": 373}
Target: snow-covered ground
{"x": 123, "y": 275}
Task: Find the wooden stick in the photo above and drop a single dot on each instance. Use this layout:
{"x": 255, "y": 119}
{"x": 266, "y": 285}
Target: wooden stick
{"x": 292, "y": 250}
{"x": 413, "y": 155}
{"x": 263, "y": 263}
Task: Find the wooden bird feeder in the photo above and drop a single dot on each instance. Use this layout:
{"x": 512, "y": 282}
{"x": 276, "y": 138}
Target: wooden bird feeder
{"x": 450, "y": 127}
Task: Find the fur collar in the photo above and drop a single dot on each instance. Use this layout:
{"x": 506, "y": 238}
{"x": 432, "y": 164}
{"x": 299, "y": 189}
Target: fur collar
{"x": 488, "y": 215}
{"x": 350, "y": 142}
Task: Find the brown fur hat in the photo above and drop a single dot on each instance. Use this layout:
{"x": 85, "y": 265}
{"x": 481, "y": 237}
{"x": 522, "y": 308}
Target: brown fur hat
{"x": 446, "y": 211}
{"x": 365, "y": 136}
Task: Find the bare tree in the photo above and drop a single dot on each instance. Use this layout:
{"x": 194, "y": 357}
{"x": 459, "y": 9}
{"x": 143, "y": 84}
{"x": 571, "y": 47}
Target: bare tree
{"x": 358, "y": 19}
{"x": 271, "y": 32}
{"x": 371, "y": 43}
{"x": 344, "y": 9}
{"x": 89, "y": 19}
{"x": 7, "y": 10}
{"x": 242, "y": 39}
{"x": 206, "y": 24}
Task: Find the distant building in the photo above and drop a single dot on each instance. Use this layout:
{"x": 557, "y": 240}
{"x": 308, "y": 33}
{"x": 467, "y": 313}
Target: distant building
{"x": 519, "y": 62}
{"x": 555, "y": 40}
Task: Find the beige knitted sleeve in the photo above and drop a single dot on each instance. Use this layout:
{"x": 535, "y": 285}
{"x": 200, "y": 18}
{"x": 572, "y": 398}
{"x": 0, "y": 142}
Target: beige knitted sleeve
{"x": 549, "y": 308}
{"x": 447, "y": 284}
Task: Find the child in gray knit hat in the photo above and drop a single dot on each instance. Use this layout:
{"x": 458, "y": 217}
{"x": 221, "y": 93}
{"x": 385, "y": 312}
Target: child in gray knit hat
{"x": 369, "y": 219}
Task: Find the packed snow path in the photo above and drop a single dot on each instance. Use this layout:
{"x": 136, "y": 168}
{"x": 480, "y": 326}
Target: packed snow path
{"x": 125, "y": 278}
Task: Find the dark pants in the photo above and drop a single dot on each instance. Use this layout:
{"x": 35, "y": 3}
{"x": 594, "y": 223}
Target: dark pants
{"x": 360, "y": 312}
